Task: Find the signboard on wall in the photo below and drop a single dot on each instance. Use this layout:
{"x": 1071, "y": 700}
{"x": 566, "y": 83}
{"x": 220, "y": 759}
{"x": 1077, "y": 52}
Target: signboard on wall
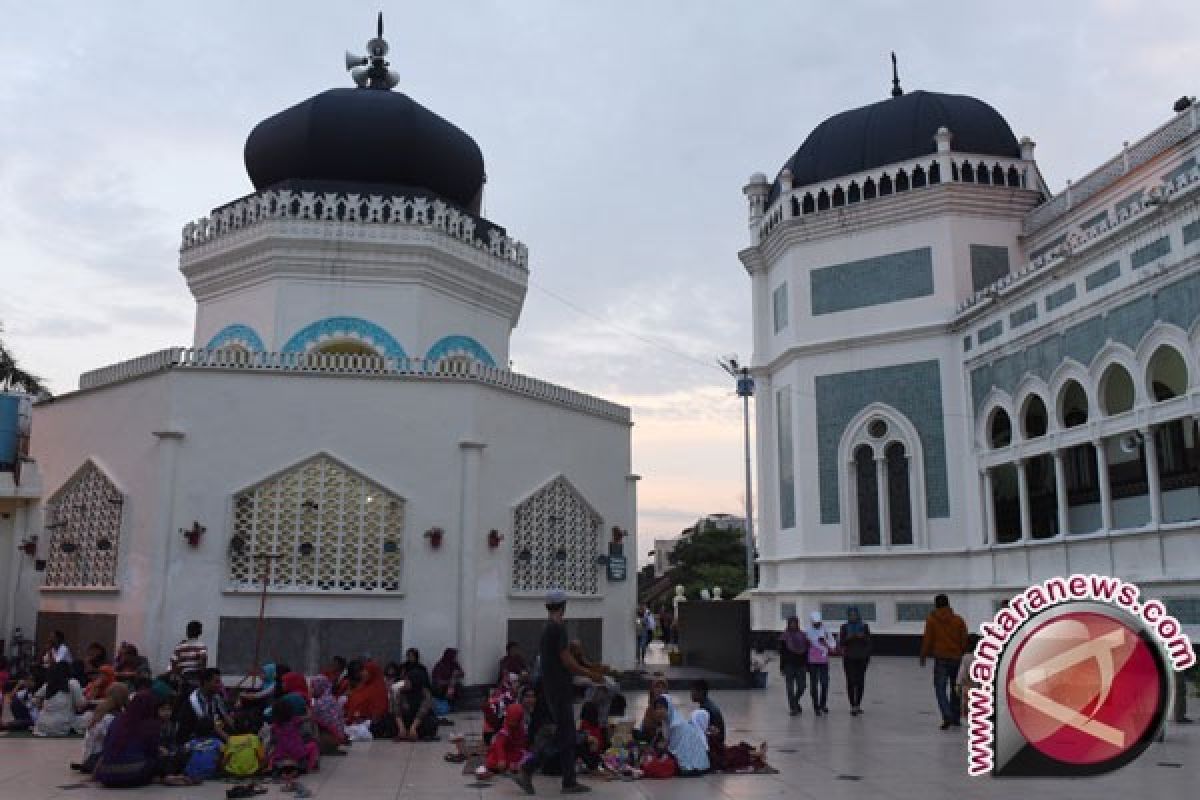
{"x": 616, "y": 568}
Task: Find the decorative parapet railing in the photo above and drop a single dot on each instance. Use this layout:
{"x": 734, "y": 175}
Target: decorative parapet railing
{"x": 453, "y": 369}
{"x": 1130, "y": 158}
{"x": 892, "y": 179}
{"x": 1081, "y": 240}
{"x": 348, "y": 207}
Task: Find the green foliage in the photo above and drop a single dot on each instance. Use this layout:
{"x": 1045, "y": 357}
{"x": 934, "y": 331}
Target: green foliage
{"x": 13, "y": 378}
{"x": 709, "y": 558}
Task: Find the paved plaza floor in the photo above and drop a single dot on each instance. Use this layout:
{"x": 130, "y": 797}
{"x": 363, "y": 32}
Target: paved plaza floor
{"x": 893, "y": 751}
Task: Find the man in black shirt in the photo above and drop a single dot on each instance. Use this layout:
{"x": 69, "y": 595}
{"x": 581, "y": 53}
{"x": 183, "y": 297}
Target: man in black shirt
{"x": 557, "y": 668}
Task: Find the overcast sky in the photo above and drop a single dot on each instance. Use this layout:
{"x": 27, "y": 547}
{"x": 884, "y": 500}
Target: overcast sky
{"x": 617, "y": 137}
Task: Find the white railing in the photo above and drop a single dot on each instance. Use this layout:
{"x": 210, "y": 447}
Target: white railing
{"x": 1169, "y": 134}
{"x": 342, "y": 207}
{"x": 1080, "y": 240}
{"x": 452, "y": 369}
{"x": 948, "y": 166}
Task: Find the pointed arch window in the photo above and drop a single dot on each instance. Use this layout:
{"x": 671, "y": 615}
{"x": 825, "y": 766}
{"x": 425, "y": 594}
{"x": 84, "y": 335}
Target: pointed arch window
{"x": 83, "y": 526}
{"x": 884, "y": 484}
{"x": 556, "y": 538}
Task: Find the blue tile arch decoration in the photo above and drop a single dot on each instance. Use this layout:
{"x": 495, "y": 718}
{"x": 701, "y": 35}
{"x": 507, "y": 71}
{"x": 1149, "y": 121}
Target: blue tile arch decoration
{"x": 344, "y": 327}
{"x": 459, "y": 345}
{"x": 239, "y": 334}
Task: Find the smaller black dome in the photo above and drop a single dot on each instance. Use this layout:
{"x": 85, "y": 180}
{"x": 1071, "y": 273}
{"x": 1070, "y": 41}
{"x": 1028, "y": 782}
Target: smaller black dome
{"x": 366, "y": 136}
{"x": 898, "y": 129}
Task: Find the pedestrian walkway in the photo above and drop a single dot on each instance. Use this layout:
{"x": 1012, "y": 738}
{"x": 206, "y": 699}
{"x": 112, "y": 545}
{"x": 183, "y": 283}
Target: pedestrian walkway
{"x": 894, "y": 751}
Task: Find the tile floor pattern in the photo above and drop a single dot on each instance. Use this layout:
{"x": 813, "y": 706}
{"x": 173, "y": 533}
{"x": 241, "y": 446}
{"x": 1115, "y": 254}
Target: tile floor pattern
{"x": 895, "y": 749}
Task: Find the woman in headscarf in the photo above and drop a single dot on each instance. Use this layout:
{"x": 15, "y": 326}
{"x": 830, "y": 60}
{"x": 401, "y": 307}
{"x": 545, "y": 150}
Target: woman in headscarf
{"x": 685, "y": 741}
{"x": 414, "y": 707}
{"x": 264, "y": 695}
{"x": 131, "y": 755}
{"x": 793, "y": 662}
{"x": 820, "y": 644}
{"x": 368, "y": 701}
{"x": 855, "y": 641}
{"x": 447, "y": 677}
{"x": 295, "y": 683}
{"x": 107, "y": 710}
{"x": 129, "y": 662}
{"x": 61, "y": 701}
{"x": 650, "y": 723}
{"x": 327, "y": 715}
{"x": 106, "y": 676}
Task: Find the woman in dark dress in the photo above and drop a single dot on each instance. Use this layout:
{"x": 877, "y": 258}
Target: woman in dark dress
{"x": 855, "y": 643}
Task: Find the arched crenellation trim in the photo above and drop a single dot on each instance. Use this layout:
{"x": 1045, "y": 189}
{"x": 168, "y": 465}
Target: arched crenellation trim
{"x": 1115, "y": 354}
{"x": 458, "y": 345}
{"x": 1030, "y": 387}
{"x": 995, "y": 400}
{"x": 860, "y": 431}
{"x": 236, "y": 335}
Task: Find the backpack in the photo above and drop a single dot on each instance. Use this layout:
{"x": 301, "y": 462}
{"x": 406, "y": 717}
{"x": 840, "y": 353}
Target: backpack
{"x": 205, "y": 759}
{"x": 241, "y": 755}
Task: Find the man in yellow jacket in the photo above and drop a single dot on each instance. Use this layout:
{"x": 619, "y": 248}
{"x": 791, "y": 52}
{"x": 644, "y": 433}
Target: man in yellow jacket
{"x": 945, "y": 639}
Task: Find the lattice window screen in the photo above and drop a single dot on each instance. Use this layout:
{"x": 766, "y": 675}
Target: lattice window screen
{"x": 332, "y": 529}
{"x": 83, "y": 521}
{"x": 555, "y": 542}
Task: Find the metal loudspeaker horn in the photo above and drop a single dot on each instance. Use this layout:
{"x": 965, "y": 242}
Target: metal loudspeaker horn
{"x": 353, "y": 61}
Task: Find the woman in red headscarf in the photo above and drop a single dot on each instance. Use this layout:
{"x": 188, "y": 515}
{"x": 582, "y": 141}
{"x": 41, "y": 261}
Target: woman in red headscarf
{"x": 368, "y": 701}
{"x": 296, "y": 683}
{"x": 95, "y": 691}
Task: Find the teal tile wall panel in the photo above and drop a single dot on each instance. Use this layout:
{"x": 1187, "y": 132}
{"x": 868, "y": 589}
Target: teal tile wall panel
{"x": 1129, "y": 200}
{"x": 1022, "y": 315}
{"x": 989, "y": 263}
{"x": 913, "y": 612}
{"x": 1191, "y": 232}
{"x": 872, "y": 281}
{"x": 914, "y": 390}
{"x": 836, "y": 612}
{"x": 1106, "y": 274}
{"x": 1047, "y": 247}
{"x": 1177, "y": 303}
{"x": 989, "y": 332}
{"x": 966, "y": 344}
{"x": 787, "y": 459}
{"x": 1060, "y": 297}
{"x": 1151, "y": 252}
{"x": 1183, "y": 168}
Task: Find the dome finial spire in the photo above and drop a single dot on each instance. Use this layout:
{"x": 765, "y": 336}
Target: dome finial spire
{"x": 896, "y": 90}
{"x": 371, "y": 71}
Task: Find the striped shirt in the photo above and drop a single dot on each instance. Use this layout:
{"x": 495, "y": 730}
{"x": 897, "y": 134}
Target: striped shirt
{"x": 190, "y": 656}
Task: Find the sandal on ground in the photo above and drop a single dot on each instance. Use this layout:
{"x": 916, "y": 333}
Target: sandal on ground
{"x": 240, "y": 791}
{"x": 178, "y": 780}
{"x": 455, "y": 758}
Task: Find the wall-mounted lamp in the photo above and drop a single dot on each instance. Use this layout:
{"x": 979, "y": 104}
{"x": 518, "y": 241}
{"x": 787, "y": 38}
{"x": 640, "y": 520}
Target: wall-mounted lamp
{"x": 193, "y": 534}
{"x": 391, "y": 546}
{"x": 29, "y": 546}
{"x": 494, "y": 538}
{"x": 434, "y": 535}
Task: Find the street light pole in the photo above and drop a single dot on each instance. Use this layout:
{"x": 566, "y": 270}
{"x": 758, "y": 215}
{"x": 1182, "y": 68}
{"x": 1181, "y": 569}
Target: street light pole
{"x": 745, "y": 390}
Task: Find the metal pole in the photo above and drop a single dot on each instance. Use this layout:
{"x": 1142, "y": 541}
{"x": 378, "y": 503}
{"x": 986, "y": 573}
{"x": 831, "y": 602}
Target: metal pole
{"x": 746, "y": 389}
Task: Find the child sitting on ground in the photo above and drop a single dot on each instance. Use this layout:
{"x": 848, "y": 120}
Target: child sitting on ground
{"x": 243, "y": 755}
{"x": 288, "y": 747}
{"x": 21, "y": 707}
{"x": 591, "y": 742}
{"x": 510, "y": 745}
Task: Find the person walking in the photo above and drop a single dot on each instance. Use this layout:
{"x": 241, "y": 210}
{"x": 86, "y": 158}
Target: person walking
{"x": 855, "y": 641}
{"x": 557, "y": 668}
{"x": 820, "y": 645}
{"x": 639, "y": 633}
{"x": 793, "y": 662}
{"x": 945, "y": 639}
{"x": 649, "y": 628}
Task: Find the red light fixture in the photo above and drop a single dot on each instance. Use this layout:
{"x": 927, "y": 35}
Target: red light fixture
{"x": 193, "y": 534}
{"x": 434, "y": 535}
{"x": 494, "y": 538}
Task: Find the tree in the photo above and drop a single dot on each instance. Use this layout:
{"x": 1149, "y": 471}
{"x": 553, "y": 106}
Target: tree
{"x": 13, "y": 378}
{"x": 710, "y": 557}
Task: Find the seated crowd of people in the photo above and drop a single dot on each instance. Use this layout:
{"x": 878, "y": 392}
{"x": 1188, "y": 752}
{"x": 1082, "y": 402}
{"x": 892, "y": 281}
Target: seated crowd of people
{"x": 185, "y": 726}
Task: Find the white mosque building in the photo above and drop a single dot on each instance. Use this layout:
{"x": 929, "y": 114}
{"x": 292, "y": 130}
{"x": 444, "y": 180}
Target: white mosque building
{"x": 965, "y": 383}
{"x": 344, "y": 425}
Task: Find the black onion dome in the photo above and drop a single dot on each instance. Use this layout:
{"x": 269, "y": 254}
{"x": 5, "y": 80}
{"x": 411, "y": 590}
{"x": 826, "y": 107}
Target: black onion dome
{"x": 366, "y": 136}
{"x": 898, "y": 129}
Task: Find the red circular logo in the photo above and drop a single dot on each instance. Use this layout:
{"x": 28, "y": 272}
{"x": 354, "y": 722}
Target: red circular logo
{"x": 1083, "y": 688}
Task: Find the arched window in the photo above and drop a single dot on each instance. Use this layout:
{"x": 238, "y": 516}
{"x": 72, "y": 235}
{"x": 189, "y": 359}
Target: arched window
{"x": 822, "y": 200}
{"x": 556, "y": 537}
{"x": 1035, "y": 421}
{"x": 869, "y": 189}
{"x": 918, "y": 177}
{"x": 83, "y": 526}
{"x": 935, "y": 173}
{"x": 1166, "y": 374}
{"x": 885, "y": 185}
{"x": 998, "y": 175}
{"x": 854, "y": 194}
{"x": 901, "y": 181}
{"x": 899, "y": 495}
{"x": 335, "y": 330}
{"x": 968, "y": 174}
{"x": 809, "y": 205}
{"x": 1117, "y": 394}
{"x": 839, "y": 196}
{"x": 999, "y": 430}
{"x": 981, "y": 173}
{"x": 344, "y": 347}
{"x": 866, "y": 496}
{"x": 1072, "y": 405}
{"x": 795, "y": 206}
{"x": 333, "y": 530}
{"x": 1014, "y": 177}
